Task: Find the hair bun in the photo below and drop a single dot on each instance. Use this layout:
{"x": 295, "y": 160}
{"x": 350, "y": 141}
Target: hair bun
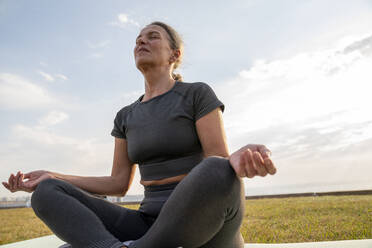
{"x": 177, "y": 76}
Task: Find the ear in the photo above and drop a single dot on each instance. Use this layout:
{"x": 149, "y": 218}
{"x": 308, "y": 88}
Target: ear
{"x": 176, "y": 54}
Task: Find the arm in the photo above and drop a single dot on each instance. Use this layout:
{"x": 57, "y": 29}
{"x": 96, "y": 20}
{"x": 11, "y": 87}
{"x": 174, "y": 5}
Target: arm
{"x": 249, "y": 161}
{"x": 212, "y": 135}
{"x": 116, "y": 184}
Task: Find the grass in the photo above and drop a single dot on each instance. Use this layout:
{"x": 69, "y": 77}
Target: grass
{"x": 301, "y": 219}
{"x": 308, "y": 219}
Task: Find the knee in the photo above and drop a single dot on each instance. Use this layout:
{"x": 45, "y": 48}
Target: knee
{"x": 42, "y": 194}
{"x": 219, "y": 171}
{"x": 218, "y": 167}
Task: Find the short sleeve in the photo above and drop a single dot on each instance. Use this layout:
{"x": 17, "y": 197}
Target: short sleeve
{"x": 205, "y": 101}
{"x": 119, "y": 128}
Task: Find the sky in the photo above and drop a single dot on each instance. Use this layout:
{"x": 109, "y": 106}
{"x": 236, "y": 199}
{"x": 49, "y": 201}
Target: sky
{"x": 293, "y": 75}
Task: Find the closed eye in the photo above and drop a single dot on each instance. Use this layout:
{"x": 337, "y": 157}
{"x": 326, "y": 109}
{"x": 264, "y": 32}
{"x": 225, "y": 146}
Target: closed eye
{"x": 149, "y": 35}
{"x": 153, "y": 35}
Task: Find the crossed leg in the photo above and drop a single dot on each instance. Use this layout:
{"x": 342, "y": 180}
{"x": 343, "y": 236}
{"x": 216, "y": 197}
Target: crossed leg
{"x": 205, "y": 210}
{"x": 83, "y": 220}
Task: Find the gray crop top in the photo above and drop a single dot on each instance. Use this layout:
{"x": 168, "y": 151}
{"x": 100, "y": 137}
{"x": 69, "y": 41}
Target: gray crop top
{"x": 161, "y": 133}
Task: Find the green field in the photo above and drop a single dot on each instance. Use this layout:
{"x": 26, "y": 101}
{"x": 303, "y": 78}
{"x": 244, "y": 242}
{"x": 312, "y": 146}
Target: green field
{"x": 282, "y": 220}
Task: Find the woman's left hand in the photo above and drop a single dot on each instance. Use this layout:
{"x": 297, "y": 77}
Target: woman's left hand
{"x": 252, "y": 160}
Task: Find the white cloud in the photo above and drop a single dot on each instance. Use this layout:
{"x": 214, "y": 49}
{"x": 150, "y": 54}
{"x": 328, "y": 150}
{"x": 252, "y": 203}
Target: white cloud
{"x": 61, "y": 76}
{"x": 45, "y": 149}
{"x": 96, "y": 55}
{"x": 123, "y": 18}
{"x": 17, "y": 92}
{"x": 42, "y": 136}
{"x": 299, "y": 90}
{"x": 46, "y": 76}
{"x": 99, "y": 45}
{"x": 51, "y": 78}
{"x": 70, "y": 151}
{"x": 53, "y": 118}
{"x": 312, "y": 110}
{"x": 123, "y": 21}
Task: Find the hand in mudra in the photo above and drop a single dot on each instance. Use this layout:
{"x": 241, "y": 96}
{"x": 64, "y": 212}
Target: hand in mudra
{"x": 16, "y": 183}
{"x": 252, "y": 160}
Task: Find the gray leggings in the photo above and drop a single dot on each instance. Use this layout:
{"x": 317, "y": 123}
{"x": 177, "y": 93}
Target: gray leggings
{"x": 204, "y": 210}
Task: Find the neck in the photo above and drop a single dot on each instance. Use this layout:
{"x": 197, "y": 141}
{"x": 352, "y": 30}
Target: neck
{"x": 157, "y": 82}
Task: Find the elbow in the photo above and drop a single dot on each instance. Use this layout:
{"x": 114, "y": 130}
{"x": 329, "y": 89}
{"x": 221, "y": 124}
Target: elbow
{"x": 123, "y": 189}
{"x": 124, "y": 192}
{"x": 119, "y": 188}
{"x": 119, "y": 193}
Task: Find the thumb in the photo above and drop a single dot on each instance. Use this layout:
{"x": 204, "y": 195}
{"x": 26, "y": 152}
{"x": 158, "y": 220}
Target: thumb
{"x": 34, "y": 183}
{"x": 27, "y": 175}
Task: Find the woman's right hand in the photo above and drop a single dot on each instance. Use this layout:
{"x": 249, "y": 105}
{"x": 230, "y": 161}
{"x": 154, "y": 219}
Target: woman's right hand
{"x": 16, "y": 183}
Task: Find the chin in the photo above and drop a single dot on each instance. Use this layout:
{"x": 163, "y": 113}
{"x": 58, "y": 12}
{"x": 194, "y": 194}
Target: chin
{"x": 144, "y": 62}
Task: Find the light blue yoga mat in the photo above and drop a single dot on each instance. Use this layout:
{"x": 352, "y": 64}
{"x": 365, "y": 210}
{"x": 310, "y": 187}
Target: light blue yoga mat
{"x": 52, "y": 241}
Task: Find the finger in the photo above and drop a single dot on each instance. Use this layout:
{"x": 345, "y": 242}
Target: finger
{"x": 27, "y": 175}
{"x": 259, "y": 164}
{"x": 249, "y": 164}
{"x": 270, "y": 166}
{"x": 10, "y": 181}
{"x": 241, "y": 170}
{"x": 16, "y": 179}
{"x": 6, "y": 185}
{"x": 244, "y": 164}
{"x": 20, "y": 180}
{"x": 264, "y": 151}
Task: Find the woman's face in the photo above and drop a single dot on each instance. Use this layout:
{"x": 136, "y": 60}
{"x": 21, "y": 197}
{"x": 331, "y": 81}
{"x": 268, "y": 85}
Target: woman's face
{"x": 152, "y": 47}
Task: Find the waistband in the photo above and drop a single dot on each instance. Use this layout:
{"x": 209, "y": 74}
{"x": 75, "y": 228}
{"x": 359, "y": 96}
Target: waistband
{"x": 158, "y": 193}
{"x": 162, "y": 187}
{"x": 169, "y": 168}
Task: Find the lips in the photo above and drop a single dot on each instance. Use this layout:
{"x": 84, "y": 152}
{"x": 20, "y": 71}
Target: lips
{"x": 142, "y": 49}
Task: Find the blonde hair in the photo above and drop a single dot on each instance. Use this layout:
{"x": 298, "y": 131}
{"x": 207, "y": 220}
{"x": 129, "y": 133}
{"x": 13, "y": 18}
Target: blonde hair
{"x": 175, "y": 42}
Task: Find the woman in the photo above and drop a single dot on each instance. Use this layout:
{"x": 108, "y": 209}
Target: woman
{"x": 193, "y": 191}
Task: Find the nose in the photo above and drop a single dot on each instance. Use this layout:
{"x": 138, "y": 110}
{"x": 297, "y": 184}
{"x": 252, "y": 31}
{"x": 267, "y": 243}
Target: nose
{"x": 141, "y": 41}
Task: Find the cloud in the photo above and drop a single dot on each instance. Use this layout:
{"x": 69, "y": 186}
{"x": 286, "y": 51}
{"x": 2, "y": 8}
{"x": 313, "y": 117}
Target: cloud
{"x": 17, "y": 92}
{"x": 43, "y": 148}
{"x": 50, "y": 78}
{"x": 60, "y": 151}
{"x": 96, "y": 55}
{"x": 61, "y": 76}
{"x": 124, "y": 21}
{"x": 41, "y": 136}
{"x": 53, "y": 118}
{"x": 99, "y": 45}
{"x": 300, "y": 90}
{"x": 311, "y": 110}
{"x": 363, "y": 46}
{"x": 46, "y": 76}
